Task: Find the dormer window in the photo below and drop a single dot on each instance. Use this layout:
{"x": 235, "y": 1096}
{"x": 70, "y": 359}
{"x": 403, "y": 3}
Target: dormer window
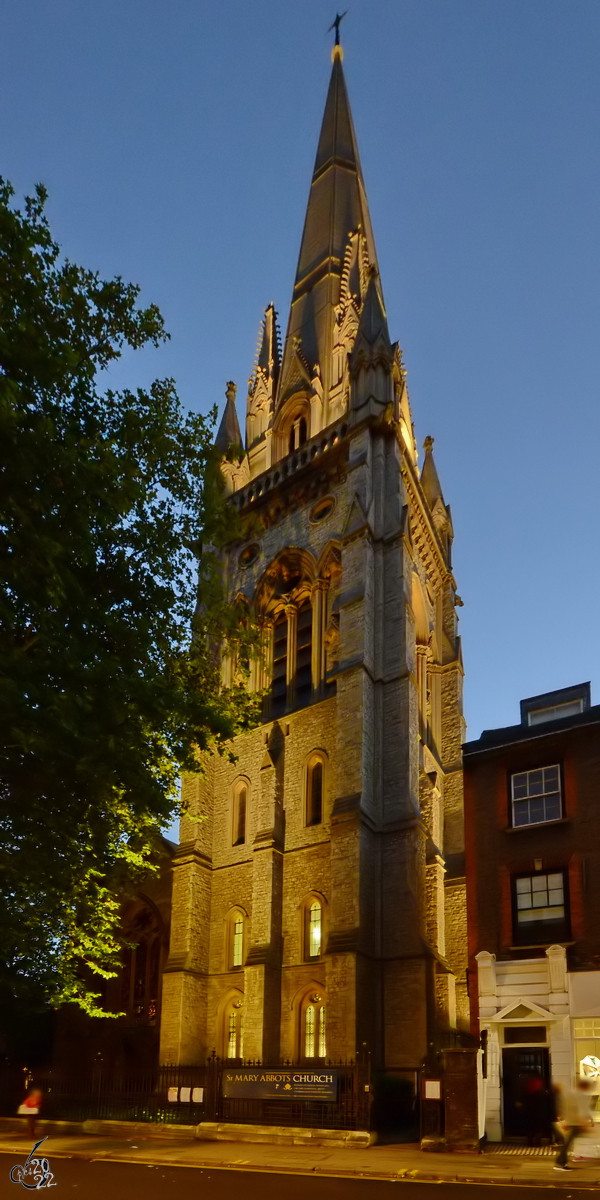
{"x": 557, "y": 705}
{"x": 570, "y": 708}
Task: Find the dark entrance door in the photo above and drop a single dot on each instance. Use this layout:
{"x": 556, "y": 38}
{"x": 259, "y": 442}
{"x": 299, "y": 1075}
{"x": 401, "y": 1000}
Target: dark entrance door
{"x": 525, "y": 1107}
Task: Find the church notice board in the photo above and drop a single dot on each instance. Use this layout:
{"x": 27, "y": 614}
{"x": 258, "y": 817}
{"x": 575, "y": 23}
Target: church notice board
{"x": 251, "y": 1083}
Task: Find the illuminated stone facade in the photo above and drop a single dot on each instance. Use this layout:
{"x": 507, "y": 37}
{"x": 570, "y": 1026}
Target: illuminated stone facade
{"x": 321, "y": 903}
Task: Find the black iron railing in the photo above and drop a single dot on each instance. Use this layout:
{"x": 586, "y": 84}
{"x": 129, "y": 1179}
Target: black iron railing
{"x": 166, "y": 1094}
{"x": 189, "y": 1095}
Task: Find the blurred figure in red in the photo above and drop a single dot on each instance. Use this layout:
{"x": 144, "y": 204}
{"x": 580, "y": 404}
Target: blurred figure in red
{"x": 535, "y": 1105}
{"x": 30, "y": 1108}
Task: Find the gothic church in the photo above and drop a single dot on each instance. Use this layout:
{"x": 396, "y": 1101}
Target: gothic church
{"x": 320, "y": 906}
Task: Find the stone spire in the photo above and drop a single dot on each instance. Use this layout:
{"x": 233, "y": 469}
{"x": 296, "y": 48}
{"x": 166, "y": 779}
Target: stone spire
{"x": 229, "y": 430}
{"x": 337, "y": 208}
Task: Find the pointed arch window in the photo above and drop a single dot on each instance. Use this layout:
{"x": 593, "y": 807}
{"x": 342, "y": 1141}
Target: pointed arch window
{"x": 239, "y": 813}
{"x": 234, "y": 939}
{"x": 313, "y": 928}
{"x": 234, "y": 1029}
{"x": 141, "y": 975}
{"x": 313, "y": 1037}
{"x": 314, "y": 792}
{"x": 237, "y": 941}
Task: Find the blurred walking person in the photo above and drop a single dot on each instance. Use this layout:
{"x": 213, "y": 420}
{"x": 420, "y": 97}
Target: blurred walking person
{"x": 30, "y": 1108}
{"x": 575, "y": 1119}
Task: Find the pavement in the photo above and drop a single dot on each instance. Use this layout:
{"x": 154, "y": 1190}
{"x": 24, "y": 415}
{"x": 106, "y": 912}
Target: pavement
{"x": 395, "y": 1162}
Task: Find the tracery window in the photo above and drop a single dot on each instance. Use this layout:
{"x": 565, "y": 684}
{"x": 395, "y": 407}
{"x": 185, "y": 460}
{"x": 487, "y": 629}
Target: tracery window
{"x": 295, "y": 606}
{"x": 313, "y": 1037}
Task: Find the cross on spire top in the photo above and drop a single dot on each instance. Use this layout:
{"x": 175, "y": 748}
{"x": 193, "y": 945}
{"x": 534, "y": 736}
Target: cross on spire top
{"x": 339, "y": 17}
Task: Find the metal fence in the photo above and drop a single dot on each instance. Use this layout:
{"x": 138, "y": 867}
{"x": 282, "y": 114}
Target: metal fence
{"x": 168, "y": 1094}
{"x": 189, "y": 1095}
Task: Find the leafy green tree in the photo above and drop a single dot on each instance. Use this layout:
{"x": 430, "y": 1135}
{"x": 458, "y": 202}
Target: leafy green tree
{"x": 109, "y": 677}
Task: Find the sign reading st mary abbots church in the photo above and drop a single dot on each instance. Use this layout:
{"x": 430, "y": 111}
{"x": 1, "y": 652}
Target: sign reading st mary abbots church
{"x": 296, "y": 1085}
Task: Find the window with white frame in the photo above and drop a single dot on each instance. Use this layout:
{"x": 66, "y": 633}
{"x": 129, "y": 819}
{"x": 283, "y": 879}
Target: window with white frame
{"x": 569, "y": 708}
{"x": 536, "y": 796}
{"x": 540, "y": 907}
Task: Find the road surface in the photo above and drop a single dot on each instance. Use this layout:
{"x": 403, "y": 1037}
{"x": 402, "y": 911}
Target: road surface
{"x": 99, "y": 1180}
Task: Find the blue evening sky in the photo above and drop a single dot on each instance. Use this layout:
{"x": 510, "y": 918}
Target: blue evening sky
{"x": 177, "y": 142}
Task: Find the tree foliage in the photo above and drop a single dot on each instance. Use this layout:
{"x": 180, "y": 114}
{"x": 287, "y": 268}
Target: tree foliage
{"x": 109, "y": 674}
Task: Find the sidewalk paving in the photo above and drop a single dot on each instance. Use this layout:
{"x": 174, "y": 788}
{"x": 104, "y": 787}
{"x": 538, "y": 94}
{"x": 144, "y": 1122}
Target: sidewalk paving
{"x": 375, "y": 1162}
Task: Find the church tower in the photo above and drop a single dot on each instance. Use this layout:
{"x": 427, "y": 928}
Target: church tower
{"x": 320, "y": 903}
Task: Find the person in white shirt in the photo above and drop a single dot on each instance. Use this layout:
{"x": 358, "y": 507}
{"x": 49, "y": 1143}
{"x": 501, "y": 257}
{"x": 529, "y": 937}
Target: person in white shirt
{"x": 575, "y": 1118}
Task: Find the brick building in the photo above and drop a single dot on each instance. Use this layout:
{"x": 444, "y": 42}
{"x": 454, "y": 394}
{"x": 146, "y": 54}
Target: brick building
{"x": 532, "y": 819}
{"x": 321, "y": 903}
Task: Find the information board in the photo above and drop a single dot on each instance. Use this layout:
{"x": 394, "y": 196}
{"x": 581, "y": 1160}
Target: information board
{"x": 253, "y": 1083}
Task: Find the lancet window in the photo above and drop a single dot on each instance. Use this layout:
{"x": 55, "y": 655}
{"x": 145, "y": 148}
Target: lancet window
{"x": 235, "y": 938}
{"x": 314, "y": 790}
{"x": 239, "y": 813}
{"x": 279, "y": 686}
{"x": 312, "y": 928}
{"x": 141, "y": 972}
{"x": 304, "y": 625}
